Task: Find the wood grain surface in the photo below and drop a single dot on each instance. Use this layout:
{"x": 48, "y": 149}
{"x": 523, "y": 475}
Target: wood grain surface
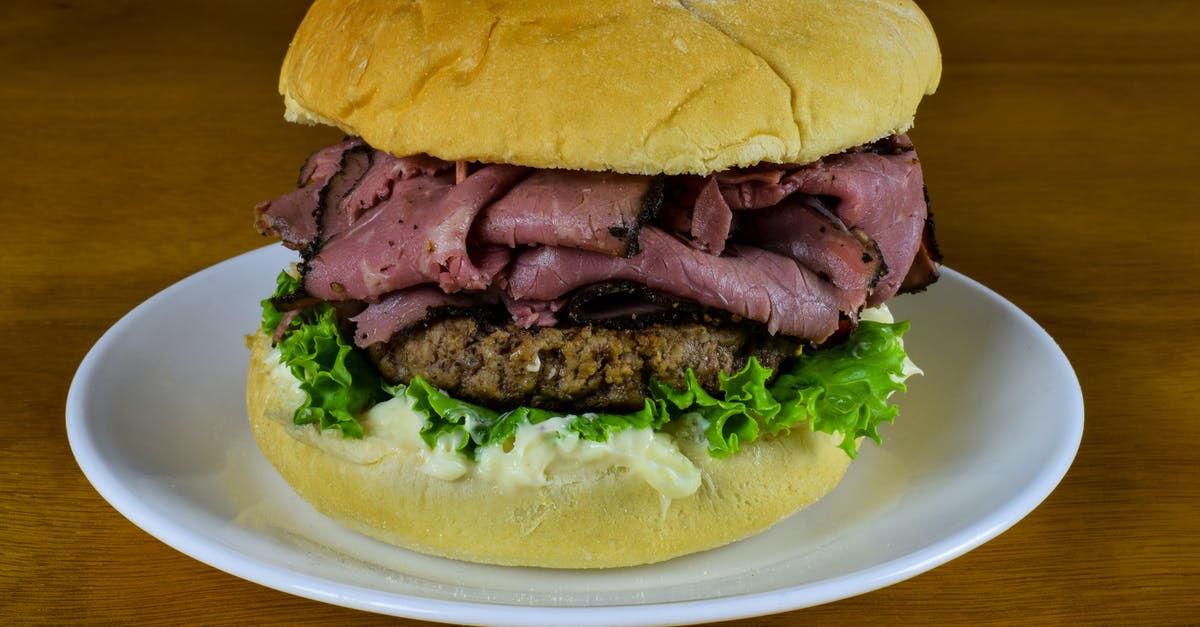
{"x": 1061, "y": 153}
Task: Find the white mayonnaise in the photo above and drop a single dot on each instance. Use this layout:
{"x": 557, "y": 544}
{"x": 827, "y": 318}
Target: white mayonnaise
{"x": 537, "y": 452}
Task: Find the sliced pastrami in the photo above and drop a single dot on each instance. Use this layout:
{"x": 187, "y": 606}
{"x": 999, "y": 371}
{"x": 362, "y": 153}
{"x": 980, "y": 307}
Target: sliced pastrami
{"x": 597, "y": 211}
{"x": 754, "y": 188}
{"x": 924, "y": 270}
{"x": 332, "y": 215}
{"x": 402, "y": 309}
{"x": 321, "y": 164}
{"x": 533, "y": 313}
{"x": 711, "y": 218}
{"x": 418, "y": 235}
{"x": 386, "y": 170}
{"x": 882, "y": 195}
{"x": 290, "y": 217}
{"x": 803, "y": 229}
{"x": 697, "y": 211}
{"x": 793, "y": 247}
{"x": 630, "y": 305}
{"x": 293, "y": 217}
{"x": 878, "y": 189}
{"x": 750, "y": 282}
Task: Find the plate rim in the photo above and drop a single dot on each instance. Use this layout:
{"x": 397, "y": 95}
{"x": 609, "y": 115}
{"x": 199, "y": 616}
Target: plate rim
{"x": 232, "y": 561}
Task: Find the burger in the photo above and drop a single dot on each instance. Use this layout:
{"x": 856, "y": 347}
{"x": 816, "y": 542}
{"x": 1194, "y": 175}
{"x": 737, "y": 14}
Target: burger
{"x": 591, "y": 284}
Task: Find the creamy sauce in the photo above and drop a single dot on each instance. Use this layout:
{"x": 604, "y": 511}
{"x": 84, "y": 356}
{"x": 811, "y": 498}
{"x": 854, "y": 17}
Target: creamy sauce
{"x": 877, "y": 314}
{"x": 537, "y": 452}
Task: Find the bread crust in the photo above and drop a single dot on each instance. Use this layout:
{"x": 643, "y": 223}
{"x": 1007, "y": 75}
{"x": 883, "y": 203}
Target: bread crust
{"x": 634, "y": 86}
{"x": 583, "y": 519}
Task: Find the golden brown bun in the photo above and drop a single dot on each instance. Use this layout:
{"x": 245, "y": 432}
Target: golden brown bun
{"x": 605, "y": 519}
{"x": 634, "y": 86}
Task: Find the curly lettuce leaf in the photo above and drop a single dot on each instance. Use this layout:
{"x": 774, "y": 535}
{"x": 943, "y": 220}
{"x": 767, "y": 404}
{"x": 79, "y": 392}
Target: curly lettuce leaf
{"x": 446, "y": 416}
{"x": 285, "y": 284}
{"x": 337, "y": 379}
{"x": 598, "y": 427}
{"x": 729, "y": 422}
{"x": 474, "y": 427}
{"x": 845, "y": 388}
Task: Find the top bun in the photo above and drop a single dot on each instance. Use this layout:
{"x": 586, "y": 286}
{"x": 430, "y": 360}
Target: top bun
{"x": 637, "y": 86}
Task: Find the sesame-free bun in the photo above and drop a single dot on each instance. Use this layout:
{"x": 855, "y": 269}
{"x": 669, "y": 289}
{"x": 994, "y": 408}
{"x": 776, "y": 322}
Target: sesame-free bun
{"x": 634, "y": 86}
{"x": 593, "y": 518}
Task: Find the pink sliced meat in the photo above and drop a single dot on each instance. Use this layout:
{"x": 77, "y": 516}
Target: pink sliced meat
{"x": 751, "y": 282}
{"x": 293, "y": 216}
{"x": 386, "y": 170}
{"x": 880, "y": 191}
{"x": 799, "y": 248}
{"x": 597, "y": 211}
{"x": 711, "y": 218}
{"x": 882, "y": 195}
{"x": 803, "y": 229}
{"x": 401, "y": 309}
{"x": 418, "y": 235}
{"x": 321, "y": 164}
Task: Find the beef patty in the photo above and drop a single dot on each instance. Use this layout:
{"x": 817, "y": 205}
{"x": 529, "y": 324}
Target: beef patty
{"x": 575, "y": 368}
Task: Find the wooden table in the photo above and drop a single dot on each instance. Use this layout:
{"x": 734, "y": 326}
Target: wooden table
{"x": 1063, "y": 159}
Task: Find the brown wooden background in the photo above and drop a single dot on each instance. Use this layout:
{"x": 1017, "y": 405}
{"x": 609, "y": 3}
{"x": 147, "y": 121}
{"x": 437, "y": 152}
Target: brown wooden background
{"x": 1063, "y": 158}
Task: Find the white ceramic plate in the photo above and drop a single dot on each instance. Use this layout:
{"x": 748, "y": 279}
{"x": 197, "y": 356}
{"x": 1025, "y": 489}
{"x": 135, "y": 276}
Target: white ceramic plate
{"x": 156, "y": 419}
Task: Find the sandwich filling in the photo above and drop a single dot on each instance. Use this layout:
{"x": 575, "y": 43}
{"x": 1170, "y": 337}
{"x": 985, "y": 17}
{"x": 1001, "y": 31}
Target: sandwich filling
{"x": 494, "y": 297}
{"x": 533, "y": 452}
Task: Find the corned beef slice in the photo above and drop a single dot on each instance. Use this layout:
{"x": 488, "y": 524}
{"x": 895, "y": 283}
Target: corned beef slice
{"x": 790, "y": 246}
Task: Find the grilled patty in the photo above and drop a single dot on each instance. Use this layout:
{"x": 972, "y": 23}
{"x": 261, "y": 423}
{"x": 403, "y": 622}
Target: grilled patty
{"x": 574, "y": 369}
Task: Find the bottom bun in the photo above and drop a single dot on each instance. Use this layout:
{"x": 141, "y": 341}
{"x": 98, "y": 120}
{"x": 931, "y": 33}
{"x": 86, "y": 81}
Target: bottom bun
{"x": 578, "y": 517}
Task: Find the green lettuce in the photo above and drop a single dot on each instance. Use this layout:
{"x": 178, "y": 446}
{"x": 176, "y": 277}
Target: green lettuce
{"x": 475, "y": 427}
{"x": 337, "y": 379}
{"x": 845, "y": 388}
{"x": 839, "y": 390}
